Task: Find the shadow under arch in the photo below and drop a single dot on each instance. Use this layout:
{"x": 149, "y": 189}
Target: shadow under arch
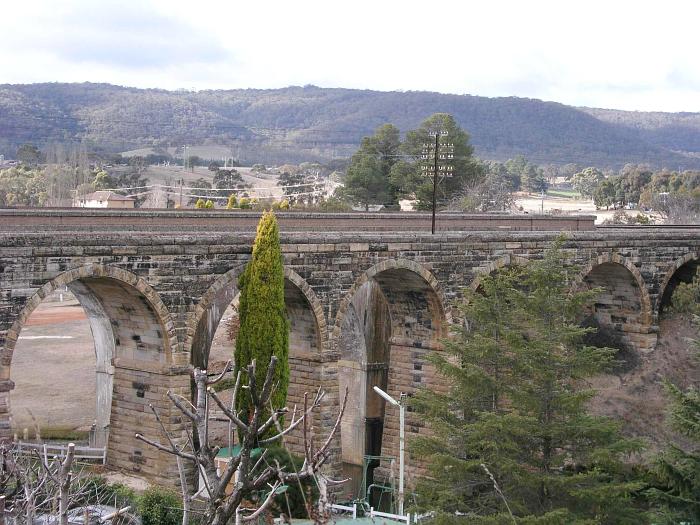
{"x": 624, "y": 306}
{"x": 386, "y": 324}
{"x": 131, "y": 328}
{"x": 682, "y": 270}
{"x": 308, "y": 333}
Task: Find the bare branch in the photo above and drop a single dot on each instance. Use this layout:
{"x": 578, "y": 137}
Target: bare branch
{"x": 269, "y": 381}
{"x": 295, "y": 423}
{"x": 264, "y": 505}
{"x": 165, "y": 449}
{"x": 220, "y": 376}
{"x": 162, "y": 427}
{"x": 322, "y": 451}
{"x": 178, "y": 401}
{"x": 227, "y": 412}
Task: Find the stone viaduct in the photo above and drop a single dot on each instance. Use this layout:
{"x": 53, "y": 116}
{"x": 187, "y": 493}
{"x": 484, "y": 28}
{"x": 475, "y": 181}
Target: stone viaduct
{"x": 368, "y": 297}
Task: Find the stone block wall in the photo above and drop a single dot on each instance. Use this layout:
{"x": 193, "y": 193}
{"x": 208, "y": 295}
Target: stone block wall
{"x": 169, "y": 282}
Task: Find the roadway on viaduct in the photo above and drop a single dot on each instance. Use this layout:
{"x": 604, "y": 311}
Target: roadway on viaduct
{"x": 368, "y": 297}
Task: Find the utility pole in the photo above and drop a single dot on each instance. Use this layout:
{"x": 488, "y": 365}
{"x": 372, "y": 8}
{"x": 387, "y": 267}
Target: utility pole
{"x": 434, "y": 157}
{"x": 180, "y": 192}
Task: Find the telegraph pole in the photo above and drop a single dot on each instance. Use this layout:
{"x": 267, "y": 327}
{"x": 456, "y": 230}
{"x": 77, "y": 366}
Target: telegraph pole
{"x": 437, "y": 153}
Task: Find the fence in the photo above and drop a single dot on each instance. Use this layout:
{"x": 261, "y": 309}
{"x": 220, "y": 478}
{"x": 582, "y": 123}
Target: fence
{"x": 56, "y": 450}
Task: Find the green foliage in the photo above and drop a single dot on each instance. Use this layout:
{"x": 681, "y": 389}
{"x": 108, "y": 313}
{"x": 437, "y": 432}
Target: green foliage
{"x": 228, "y": 179}
{"x": 298, "y": 186}
{"x": 604, "y": 194}
{"x": 28, "y": 154}
{"x": 686, "y": 297}
{"x": 494, "y": 192}
{"x": 465, "y": 168}
{"x": 102, "y": 181}
{"x": 97, "y": 490}
{"x": 533, "y": 180}
{"x": 231, "y": 202}
{"x": 200, "y": 204}
{"x": 677, "y": 469}
{"x": 22, "y": 186}
{"x": 517, "y": 404}
{"x": 209, "y": 205}
{"x": 364, "y": 182}
{"x": 264, "y": 328}
{"x": 281, "y": 205}
{"x": 587, "y": 181}
{"x": 159, "y": 506}
{"x": 328, "y": 205}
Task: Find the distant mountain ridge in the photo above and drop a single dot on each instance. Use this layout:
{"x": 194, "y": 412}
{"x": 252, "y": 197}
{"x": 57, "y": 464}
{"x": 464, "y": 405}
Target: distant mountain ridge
{"x": 307, "y": 123}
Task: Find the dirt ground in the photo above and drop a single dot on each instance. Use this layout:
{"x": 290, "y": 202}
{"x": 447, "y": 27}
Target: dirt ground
{"x": 535, "y": 204}
{"x": 636, "y": 397}
{"x": 53, "y": 368}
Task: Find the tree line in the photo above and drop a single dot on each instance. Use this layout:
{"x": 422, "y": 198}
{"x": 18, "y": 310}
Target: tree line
{"x": 387, "y": 168}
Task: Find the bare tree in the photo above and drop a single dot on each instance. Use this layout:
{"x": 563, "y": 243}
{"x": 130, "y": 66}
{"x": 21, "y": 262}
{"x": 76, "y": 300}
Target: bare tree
{"x": 38, "y": 486}
{"x": 243, "y": 477}
{"x": 677, "y": 207}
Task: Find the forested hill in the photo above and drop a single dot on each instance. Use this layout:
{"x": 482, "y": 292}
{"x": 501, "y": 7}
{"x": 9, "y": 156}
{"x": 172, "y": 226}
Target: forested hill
{"x": 307, "y": 123}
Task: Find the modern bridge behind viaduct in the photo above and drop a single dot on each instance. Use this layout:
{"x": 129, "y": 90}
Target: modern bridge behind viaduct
{"x": 368, "y": 297}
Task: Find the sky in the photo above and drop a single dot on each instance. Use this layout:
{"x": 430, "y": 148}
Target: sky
{"x": 633, "y": 55}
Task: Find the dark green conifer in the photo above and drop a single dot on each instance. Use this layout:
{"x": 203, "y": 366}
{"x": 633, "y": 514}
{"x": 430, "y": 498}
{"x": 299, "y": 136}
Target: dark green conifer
{"x": 513, "y": 440}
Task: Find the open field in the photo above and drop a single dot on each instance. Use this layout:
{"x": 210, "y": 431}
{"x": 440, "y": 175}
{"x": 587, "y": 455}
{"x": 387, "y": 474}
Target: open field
{"x": 262, "y": 185}
{"x": 532, "y": 203}
{"x": 53, "y": 368}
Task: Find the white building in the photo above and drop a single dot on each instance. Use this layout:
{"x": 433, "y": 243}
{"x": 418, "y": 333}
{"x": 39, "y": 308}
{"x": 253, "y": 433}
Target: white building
{"x": 103, "y": 199}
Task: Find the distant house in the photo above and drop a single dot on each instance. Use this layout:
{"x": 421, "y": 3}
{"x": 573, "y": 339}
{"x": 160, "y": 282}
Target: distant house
{"x": 103, "y": 199}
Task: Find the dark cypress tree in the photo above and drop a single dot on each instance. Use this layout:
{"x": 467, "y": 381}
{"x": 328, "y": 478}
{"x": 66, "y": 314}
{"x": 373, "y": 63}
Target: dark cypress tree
{"x": 264, "y": 328}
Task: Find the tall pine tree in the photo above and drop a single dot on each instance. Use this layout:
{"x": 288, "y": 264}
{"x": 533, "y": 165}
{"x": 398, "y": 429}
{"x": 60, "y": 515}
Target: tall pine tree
{"x": 264, "y": 328}
{"x": 513, "y": 440}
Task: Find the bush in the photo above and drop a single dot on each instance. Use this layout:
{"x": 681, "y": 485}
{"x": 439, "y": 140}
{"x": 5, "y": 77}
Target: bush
{"x": 232, "y": 202}
{"x": 209, "y": 205}
{"x": 115, "y": 494}
{"x": 686, "y": 297}
{"x": 245, "y": 203}
{"x": 200, "y": 204}
{"x": 159, "y": 506}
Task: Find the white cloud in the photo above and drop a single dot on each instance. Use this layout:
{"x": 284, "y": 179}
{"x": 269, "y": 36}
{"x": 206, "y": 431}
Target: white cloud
{"x": 624, "y": 54}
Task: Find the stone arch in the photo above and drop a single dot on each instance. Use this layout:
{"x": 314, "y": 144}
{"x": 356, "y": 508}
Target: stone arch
{"x": 307, "y": 334}
{"x": 299, "y": 296}
{"x": 133, "y": 333}
{"x": 625, "y": 305}
{"x": 681, "y": 270}
{"x": 386, "y": 324}
{"x": 395, "y": 264}
{"x": 202, "y": 324}
{"x": 494, "y": 266}
{"x": 96, "y": 271}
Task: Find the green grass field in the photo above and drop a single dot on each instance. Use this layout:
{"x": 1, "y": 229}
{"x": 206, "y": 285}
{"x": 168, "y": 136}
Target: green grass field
{"x": 568, "y": 194}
